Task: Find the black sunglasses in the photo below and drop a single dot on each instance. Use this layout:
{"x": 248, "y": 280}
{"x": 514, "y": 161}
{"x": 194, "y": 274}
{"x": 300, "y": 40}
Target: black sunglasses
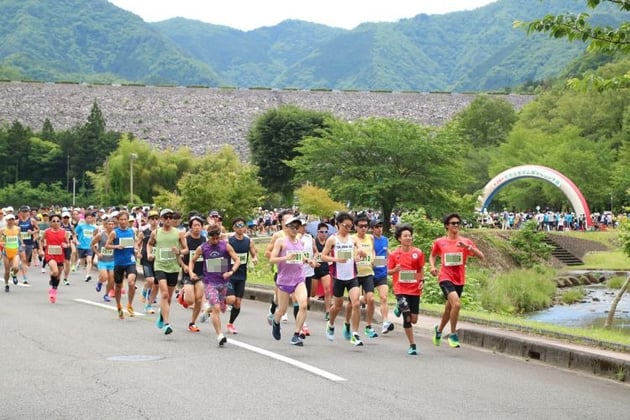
{"x": 167, "y": 216}
{"x": 322, "y": 231}
{"x": 454, "y": 223}
{"x": 214, "y": 234}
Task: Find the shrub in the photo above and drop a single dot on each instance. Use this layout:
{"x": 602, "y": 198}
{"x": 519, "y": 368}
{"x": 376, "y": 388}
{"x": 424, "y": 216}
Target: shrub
{"x": 615, "y": 282}
{"x": 572, "y": 296}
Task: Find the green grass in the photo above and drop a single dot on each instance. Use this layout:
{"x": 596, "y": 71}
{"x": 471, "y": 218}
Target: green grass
{"x": 609, "y": 238}
{"x": 612, "y": 260}
{"x": 572, "y": 295}
{"x": 615, "y": 282}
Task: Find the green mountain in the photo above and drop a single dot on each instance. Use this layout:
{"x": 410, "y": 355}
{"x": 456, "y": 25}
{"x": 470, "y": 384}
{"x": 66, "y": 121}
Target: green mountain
{"x": 95, "y": 41}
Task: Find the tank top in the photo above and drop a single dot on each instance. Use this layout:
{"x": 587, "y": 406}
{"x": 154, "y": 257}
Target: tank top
{"x": 215, "y": 262}
{"x": 25, "y": 226}
{"x": 192, "y": 244}
{"x": 127, "y": 255}
{"x": 241, "y": 247}
{"x": 307, "y": 244}
{"x": 165, "y": 258}
{"x": 146, "y": 235}
{"x": 364, "y": 265}
{"x": 11, "y": 237}
{"x": 381, "y": 245}
{"x": 290, "y": 272}
{"x": 107, "y": 255}
{"x": 347, "y": 270}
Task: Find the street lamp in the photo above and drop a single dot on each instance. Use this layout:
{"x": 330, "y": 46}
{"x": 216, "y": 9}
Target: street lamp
{"x": 132, "y": 157}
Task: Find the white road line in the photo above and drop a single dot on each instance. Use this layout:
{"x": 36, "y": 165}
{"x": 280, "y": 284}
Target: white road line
{"x": 288, "y": 360}
{"x": 102, "y": 305}
{"x": 276, "y": 356}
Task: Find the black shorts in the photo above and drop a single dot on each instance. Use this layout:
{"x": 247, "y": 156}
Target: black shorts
{"x": 322, "y": 271}
{"x": 147, "y": 270}
{"x": 447, "y": 287}
{"x": 340, "y": 286}
{"x": 171, "y": 278}
{"x": 186, "y": 279}
{"x": 367, "y": 283}
{"x": 67, "y": 253}
{"x": 413, "y": 301}
{"x": 380, "y": 281}
{"x": 121, "y": 270}
{"x": 236, "y": 288}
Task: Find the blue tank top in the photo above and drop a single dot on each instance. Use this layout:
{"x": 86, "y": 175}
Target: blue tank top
{"x": 380, "y": 250}
{"x": 127, "y": 255}
{"x": 25, "y": 226}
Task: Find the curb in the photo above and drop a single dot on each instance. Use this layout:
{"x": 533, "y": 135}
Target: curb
{"x": 590, "y": 360}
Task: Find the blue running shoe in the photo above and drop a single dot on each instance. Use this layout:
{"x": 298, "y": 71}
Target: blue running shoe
{"x": 275, "y": 330}
{"x": 330, "y": 332}
{"x": 412, "y": 350}
{"x": 453, "y": 340}
{"x": 369, "y": 331}
{"x": 99, "y": 286}
{"x": 346, "y": 331}
{"x": 297, "y": 341}
{"x": 167, "y": 329}
{"x": 160, "y": 321}
{"x": 106, "y": 298}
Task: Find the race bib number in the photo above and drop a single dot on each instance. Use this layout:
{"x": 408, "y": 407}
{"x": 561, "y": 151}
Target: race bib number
{"x": 295, "y": 257}
{"x": 344, "y": 254}
{"x": 453, "y": 259}
{"x": 365, "y": 261}
{"x": 191, "y": 254}
{"x": 107, "y": 252}
{"x": 165, "y": 254}
{"x": 127, "y": 242}
{"x": 55, "y": 250}
{"x": 11, "y": 240}
{"x": 216, "y": 265}
{"x": 380, "y": 261}
{"x": 25, "y": 235}
{"x": 242, "y": 258}
{"x": 88, "y": 233}
{"x": 407, "y": 276}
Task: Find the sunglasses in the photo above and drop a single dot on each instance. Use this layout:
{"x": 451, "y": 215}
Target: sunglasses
{"x": 239, "y": 225}
{"x": 347, "y": 226}
{"x": 292, "y": 226}
{"x": 167, "y": 216}
{"x": 322, "y": 231}
{"x": 214, "y": 234}
{"x": 454, "y": 223}
{"x": 66, "y": 217}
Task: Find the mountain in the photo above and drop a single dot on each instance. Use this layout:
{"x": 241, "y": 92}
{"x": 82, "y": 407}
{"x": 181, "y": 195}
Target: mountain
{"x": 95, "y": 41}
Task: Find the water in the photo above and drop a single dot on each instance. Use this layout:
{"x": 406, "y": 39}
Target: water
{"x": 592, "y": 311}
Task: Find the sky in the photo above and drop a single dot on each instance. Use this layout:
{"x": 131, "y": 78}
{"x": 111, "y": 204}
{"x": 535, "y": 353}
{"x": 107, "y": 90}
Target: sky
{"x": 251, "y": 14}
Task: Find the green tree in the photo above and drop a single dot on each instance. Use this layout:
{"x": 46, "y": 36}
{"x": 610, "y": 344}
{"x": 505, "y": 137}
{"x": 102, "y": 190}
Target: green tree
{"x": 221, "y": 182}
{"x": 605, "y": 39}
{"x": 529, "y": 246}
{"x": 382, "y": 163}
{"x": 624, "y": 237}
{"x": 273, "y": 141}
{"x": 316, "y": 201}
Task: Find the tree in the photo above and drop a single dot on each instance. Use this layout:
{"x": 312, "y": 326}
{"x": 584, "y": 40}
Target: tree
{"x": 605, "y": 39}
{"x": 384, "y": 163}
{"x": 624, "y": 237}
{"x": 529, "y": 245}
{"x": 273, "y": 141}
{"x": 316, "y": 201}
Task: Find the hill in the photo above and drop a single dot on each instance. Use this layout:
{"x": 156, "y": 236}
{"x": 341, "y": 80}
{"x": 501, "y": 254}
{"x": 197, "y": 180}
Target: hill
{"x": 95, "y": 41}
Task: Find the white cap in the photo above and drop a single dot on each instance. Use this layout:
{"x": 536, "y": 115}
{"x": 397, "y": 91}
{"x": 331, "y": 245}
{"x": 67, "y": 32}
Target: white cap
{"x": 65, "y": 214}
{"x": 9, "y": 216}
{"x": 8, "y": 209}
{"x": 165, "y": 211}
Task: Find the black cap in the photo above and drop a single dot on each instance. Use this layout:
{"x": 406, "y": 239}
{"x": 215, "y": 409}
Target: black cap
{"x": 377, "y": 222}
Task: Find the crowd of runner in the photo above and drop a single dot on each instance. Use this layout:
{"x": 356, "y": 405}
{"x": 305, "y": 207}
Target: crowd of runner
{"x": 204, "y": 266}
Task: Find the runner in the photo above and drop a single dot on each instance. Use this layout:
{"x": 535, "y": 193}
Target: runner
{"x": 122, "y": 241}
{"x": 365, "y": 272}
{"x": 308, "y": 268}
{"x": 168, "y": 243}
{"x": 69, "y": 251}
{"x": 105, "y": 256}
{"x": 150, "y": 288}
{"x": 216, "y": 254}
{"x": 322, "y": 272}
{"x": 192, "y": 290}
{"x": 85, "y": 232}
{"x": 244, "y": 248}
{"x": 11, "y": 243}
{"x": 405, "y": 264}
{"x": 381, "y": 245}
{"x": 52, "y": 245}
{"x": 29, "y": 230}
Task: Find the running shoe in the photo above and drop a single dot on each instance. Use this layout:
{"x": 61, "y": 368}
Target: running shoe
{"x": 99, "y": 287}
{"x": 412, "y": 351}
{"x": 106, "y": 298}
{"x": 269, "y": 318}
{"x": 14, "y": 278}
{"x": 437, "y": 336}
{"x": 180, "y": 299}
{"x": 73, "y": 268}
{"x": 296, "y": 340}
{"x": 43, "y": 270}
{"x": 306, "y": 330}
{"x": 204, "y": 316}
{"x": 130, "y": 311}
{"x": 88, "y": 278}
{"x": 387, "y": 327}
{"x": 231, "y": 329}
{"x": 160, "y": 321}
{"x": 167, "y": 329}
{"x": 369, "y": 331}
{"x": 52, "y": 295}
{"x": 66, "y": 282}
{"x": 148, "y": 309}
{"x": 121, "y": 315}
{"x": 346, "y": 331}
{"x": 356, "y": 340}
{"x": 144, "y": 295}
{"x": 327, "y": 316}
{"x": 453, "y": 340}
{"x": 330, "y": 332}
{"x": 221, "y": 339}
{"x": 275, "y": 330}
{"x": 25, "y": 283}
{"x": 6, "y": 288}
{"x": 397, "y": 311}
{"x": 192, "y": 327}
{"x": 285, "y": 318}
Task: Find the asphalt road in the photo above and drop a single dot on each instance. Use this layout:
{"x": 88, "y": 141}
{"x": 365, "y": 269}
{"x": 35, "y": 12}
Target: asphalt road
{"x": 75, "y": 359}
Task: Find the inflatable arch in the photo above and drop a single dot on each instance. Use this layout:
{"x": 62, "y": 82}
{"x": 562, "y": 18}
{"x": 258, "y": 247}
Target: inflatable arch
{"x": 579, "y": 204}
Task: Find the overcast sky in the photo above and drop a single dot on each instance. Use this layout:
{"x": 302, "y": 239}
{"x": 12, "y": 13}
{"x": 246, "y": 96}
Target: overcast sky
{"x": 252, "y": 14}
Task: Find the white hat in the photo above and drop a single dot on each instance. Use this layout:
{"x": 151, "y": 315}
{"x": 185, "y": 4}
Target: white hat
{"x": 65, "y": 214}
{"x": 8, "y": 209}
{"x": 165, "y": 211}
{"x": 293, "y": 220}
{"x": 113, "y": 214}
{"x": 9, "y": 216}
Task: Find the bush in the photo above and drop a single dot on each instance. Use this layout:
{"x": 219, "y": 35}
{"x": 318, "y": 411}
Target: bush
{"x": 529, "y": 245}
{"x": 520, "y": 291}
{"x": 572, "y": 296}
{"x": 615, "y": 282}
